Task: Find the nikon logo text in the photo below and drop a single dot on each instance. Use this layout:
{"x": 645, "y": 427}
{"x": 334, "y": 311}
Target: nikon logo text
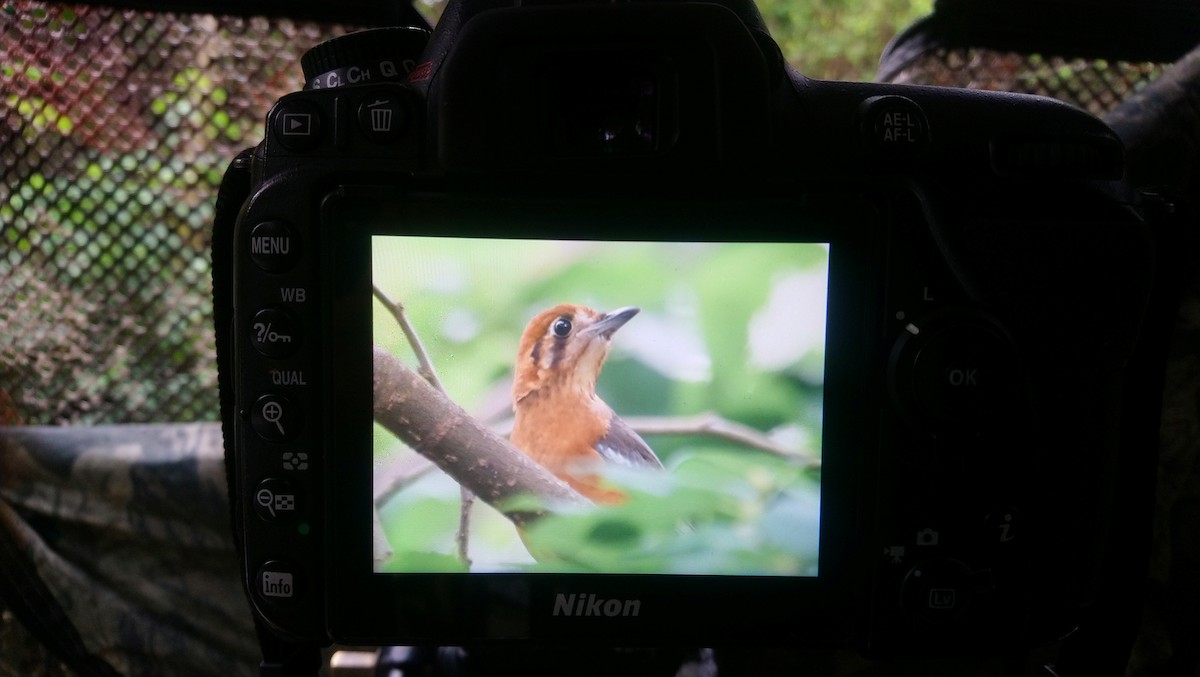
{"x": 591, "y": 605}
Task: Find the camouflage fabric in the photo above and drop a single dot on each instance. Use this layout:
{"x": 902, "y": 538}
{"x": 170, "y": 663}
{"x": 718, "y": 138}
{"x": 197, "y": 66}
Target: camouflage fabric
{"x": 1161, "y": 129}
{"x": 116, "y": 540}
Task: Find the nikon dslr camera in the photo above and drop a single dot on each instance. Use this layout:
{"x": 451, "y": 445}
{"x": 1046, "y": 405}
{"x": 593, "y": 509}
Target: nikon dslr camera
{"x": 877, "y": 367}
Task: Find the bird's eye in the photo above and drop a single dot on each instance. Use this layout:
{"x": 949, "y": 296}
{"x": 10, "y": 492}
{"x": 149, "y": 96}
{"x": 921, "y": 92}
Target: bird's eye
{"x": 561, "y": 327}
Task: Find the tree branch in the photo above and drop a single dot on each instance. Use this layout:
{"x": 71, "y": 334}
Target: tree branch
{"x": 478, "y": 459}
{"x": 716, "y": 426}
{"x": 707, "y": 424}
{"x": 397, "y": 310}
{"x": 430, "y": 373}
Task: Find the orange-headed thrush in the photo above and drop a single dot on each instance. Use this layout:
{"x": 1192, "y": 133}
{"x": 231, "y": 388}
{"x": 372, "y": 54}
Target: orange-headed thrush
{"x": 560, "y": 421}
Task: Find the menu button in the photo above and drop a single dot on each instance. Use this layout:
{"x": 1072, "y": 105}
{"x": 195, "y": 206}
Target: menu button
{"x": 274, "y": 247}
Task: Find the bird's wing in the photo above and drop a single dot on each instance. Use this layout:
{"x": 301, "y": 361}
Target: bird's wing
{"x": 624, "y": 446}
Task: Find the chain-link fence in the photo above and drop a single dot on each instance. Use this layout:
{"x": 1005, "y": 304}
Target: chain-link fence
{"x": 117, "y": 127}
{"x": 1096, "y": 85}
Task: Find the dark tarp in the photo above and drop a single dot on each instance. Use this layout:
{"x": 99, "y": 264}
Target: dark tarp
{"x": 115, "y": 549}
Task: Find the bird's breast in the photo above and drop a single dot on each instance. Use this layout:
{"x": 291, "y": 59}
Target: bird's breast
{"x": 560, "y": 432}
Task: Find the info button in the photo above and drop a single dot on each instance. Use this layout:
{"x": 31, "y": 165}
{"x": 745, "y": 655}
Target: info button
{"x": 279, "y": 583}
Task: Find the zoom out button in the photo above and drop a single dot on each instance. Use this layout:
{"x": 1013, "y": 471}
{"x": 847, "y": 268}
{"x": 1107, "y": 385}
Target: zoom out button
{"x": 277, "y": 501}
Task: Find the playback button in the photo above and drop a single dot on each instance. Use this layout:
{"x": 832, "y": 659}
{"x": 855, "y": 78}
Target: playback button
{"x": 297, "y": 125}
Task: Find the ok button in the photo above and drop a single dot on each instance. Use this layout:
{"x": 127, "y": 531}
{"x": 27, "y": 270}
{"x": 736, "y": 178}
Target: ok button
{"x": 275, "y": 418}
{"x": 966, "y": 375}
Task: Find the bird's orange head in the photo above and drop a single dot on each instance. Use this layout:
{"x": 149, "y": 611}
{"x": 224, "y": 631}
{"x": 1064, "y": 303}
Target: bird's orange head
{"x": 565, "y": 347}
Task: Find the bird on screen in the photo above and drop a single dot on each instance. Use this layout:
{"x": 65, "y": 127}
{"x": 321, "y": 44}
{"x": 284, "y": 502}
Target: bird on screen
{"x": 560, "y": 420}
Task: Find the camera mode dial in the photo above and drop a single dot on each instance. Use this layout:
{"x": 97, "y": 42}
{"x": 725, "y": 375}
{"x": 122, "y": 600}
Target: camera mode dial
{"x": 373, "y": 56}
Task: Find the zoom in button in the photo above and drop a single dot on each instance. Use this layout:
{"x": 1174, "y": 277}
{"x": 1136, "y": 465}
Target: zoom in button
{"x": 275, "y": 418}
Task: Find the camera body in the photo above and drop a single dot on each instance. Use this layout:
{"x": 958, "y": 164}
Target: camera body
{"x": 985, "y": 270}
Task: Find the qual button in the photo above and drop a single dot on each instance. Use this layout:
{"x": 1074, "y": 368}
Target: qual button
{"x": 275, "y": 418}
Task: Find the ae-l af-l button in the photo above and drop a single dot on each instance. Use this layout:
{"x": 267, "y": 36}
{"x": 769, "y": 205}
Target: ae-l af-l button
{"x": 895, "y": 127}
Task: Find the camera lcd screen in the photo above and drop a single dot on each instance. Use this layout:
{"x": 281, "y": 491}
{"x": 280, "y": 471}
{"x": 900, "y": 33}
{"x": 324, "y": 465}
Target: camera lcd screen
{"x": 713, "y": 354}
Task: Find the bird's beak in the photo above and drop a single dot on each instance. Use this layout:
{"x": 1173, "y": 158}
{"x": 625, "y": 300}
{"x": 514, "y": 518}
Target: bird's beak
{"x": 611, "y": 322}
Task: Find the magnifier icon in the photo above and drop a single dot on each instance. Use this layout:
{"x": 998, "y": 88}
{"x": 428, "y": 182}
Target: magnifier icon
{"x": 267, "y": 500}
{"x": 272, "y": 412}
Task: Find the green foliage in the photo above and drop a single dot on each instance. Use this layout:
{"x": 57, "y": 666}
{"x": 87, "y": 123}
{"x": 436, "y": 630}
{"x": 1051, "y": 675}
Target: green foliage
{"x": 826, "y": 39}
{"x": 420, "y": 537}
{"x": 715, "y": 512}
{"x": 111, "y": 247}
{"x": 838, "y": 39}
